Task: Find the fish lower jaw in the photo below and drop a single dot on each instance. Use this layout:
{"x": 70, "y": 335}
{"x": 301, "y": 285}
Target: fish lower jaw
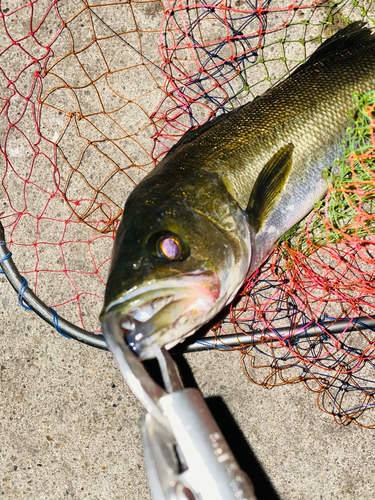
{"x": 164, "y": 338}
{"x": 175, "y": 332}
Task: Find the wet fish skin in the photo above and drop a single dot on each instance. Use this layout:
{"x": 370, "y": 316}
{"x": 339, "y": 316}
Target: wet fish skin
{"x": 232, "y": 187}
{"x": 167, "y": 203}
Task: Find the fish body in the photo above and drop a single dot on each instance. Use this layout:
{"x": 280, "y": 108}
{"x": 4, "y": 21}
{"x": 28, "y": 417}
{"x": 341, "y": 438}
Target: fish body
{"x": 210, "y": 213}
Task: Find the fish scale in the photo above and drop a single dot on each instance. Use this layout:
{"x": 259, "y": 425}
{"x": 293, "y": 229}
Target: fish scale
{"x": 229, "y": 189}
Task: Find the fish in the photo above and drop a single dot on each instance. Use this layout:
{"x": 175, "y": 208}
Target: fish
{"x": 211, "y": 212}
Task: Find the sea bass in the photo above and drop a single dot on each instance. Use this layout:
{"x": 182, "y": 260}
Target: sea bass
{"x": 211, "y": 211}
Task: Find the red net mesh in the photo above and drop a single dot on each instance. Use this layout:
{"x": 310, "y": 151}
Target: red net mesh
{"x": 92, "y": 96}
{"x": 323, "y": 271}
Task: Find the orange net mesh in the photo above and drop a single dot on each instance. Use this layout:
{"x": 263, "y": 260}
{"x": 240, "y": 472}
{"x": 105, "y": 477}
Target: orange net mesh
{"x": 93, "y": 94}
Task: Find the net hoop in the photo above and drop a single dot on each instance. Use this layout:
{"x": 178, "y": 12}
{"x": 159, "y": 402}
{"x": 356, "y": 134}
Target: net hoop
{"x": 30, "y": 301}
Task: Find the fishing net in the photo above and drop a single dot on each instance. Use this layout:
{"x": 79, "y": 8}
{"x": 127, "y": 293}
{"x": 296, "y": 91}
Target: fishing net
{"x": 94, "y": 94}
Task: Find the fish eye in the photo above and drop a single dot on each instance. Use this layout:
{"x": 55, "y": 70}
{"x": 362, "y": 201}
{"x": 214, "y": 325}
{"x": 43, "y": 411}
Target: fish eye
{"x": 170, "y": 247}
{"x": 167, "y": 245}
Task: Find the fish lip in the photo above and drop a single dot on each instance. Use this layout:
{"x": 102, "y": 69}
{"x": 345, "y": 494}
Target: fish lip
{"x": 187, "y": 290}
{"x": 181, "y": 282}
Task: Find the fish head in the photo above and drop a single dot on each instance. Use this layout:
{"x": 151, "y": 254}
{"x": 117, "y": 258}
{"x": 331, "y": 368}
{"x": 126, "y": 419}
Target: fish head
{"x": 176, "y": 262}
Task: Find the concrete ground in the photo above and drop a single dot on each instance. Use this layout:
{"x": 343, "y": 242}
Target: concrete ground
{"x": 69, "y": 426}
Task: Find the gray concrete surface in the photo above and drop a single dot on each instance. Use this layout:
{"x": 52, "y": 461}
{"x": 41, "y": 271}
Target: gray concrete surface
{"x": 68, "y": 425}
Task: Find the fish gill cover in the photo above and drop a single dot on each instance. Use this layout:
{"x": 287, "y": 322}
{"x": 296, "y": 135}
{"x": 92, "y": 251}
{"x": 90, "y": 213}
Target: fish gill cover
{"x": 92, "y": 97}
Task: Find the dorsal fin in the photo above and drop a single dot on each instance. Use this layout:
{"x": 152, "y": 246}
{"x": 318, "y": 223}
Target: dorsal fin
{"x": 268, "y": 186}
{"x": 354, "y": 34}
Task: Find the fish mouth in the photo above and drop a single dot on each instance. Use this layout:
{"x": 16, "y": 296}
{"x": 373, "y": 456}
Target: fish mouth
{"x": 163, "y": 312}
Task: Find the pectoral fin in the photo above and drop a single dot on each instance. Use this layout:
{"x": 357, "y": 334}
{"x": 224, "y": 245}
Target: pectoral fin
{"x": 269, "y": 185}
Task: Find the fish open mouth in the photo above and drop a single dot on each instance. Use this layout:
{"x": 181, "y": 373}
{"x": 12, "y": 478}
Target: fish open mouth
{"x": 164, "y": 312}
